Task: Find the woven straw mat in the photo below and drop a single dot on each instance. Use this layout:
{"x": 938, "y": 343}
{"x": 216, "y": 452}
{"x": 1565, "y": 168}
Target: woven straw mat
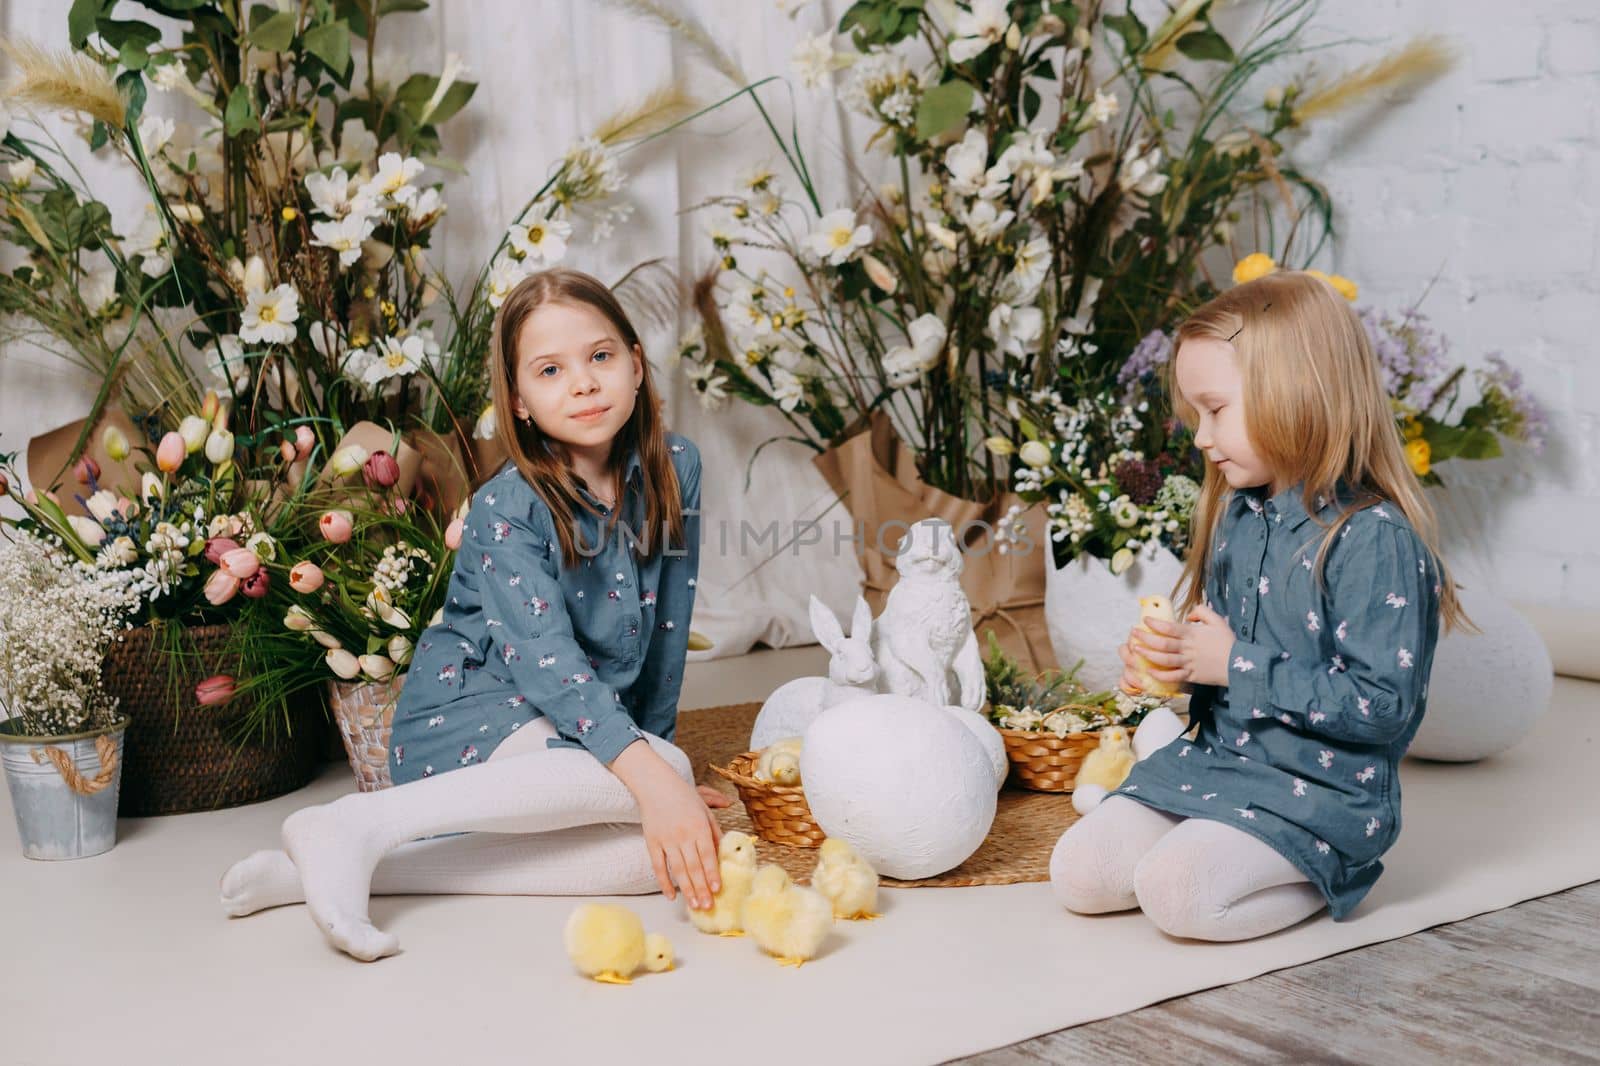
{"x": 1026, "y": 826}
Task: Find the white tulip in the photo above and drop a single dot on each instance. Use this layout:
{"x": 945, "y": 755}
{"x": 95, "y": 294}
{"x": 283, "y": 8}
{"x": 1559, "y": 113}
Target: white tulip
{"x": 343, "y": 663}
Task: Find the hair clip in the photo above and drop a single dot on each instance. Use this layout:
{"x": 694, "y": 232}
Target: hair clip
{"x": 1264, "y": 309}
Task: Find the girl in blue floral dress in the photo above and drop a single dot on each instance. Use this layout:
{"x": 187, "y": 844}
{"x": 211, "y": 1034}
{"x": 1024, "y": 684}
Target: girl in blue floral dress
{"x": 1313, "y": 595}
{"x": 538, "y": 712}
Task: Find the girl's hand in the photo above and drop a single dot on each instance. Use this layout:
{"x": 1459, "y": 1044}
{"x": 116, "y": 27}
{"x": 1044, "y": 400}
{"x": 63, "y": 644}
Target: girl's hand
{"x": 680, "y": 831}
{"x": 1130, "y": 682}
{"x": 1196, "y": 653}
{"x": 715, "y": 800}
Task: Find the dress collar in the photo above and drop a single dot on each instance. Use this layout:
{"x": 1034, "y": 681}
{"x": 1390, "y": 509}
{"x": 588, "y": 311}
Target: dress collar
{"x": 1288, "y": 508}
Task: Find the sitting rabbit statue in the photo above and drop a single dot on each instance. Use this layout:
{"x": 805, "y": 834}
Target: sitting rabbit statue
{"x": 852, "y": 672}
{"x": 924, "y": 642}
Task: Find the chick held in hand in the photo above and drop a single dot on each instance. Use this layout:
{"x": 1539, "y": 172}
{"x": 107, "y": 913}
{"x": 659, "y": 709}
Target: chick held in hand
{"x": 1109, "y": 764}
{"x": 848, "y": 880}
{"x": 779, "y": 762}
{"x": 737, "y": 867}
{"x": 1159, "y": 608}
{"x": 787, "y": 921}
{"x": 608, "y": 943}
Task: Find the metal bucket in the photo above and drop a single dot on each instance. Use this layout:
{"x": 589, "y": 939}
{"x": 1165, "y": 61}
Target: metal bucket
{"x": 64, "y": 789}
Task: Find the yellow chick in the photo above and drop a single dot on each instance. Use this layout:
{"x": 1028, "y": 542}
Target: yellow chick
{"x": 608, "y": 943}
{"x": 780, "y": 762}
{"x": 848, "y": 880}
{"x": 1160, "y": 608}
{"x": 1107, "y": 765}
{"x": 737, "y": 868}
{"x": 787, "y": 921}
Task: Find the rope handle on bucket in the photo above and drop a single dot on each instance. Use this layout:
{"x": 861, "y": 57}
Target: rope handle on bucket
{"x": 83, "y": 786}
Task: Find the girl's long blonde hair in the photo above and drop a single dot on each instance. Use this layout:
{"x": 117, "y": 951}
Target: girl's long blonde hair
{"x": 544, "y": 465}
{"x": 1315, "y": 411}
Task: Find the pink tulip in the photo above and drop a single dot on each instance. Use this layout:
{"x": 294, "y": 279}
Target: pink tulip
{"x": 304, "y": 441}
{"x": 255, "y": 586}
{"x": 336, "y": 526}
{"x": 305, "y": 577}
{"x": 170, "y": 452}
{"x": 221, "y": 587}
{"x": 286, "y": 452}
{"x": 380, "y": 470}
{"x": 86, "y": 470}
{"x": 214, "y": 690}
{"x": 217, "y": 547}
{"x": 241, "y": 563}
{"x": 5, "y": 485}
{"x": 452, "y": 534}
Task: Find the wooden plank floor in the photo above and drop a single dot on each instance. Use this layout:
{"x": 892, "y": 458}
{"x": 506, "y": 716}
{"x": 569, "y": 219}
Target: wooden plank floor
{"x": 1519, "y": 986}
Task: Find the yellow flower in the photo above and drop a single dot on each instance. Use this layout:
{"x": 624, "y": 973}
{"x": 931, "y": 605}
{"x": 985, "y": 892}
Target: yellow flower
{"x": 1253, "y": 266}
{"x": 1341, "y": 285}
{"x": 1413, "y": 428}
{"x": 290, "y": 214}
{"x": 1418, "y": 452}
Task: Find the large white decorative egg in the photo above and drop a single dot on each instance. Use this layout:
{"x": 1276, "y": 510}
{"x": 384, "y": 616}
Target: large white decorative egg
{"x": 994, "y": 745}
{"x": 906, "y": 784}
{"x": 1487, "y": 689}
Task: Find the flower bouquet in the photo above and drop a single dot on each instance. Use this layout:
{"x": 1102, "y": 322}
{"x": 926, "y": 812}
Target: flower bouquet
{"x": 362, "y": 571}
{"x": 62, "y": 738}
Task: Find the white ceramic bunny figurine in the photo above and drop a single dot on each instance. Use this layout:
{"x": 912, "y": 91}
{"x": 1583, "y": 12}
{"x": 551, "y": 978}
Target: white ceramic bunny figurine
{"x": 852, "y": 673}
{"x": 924, "y": 641}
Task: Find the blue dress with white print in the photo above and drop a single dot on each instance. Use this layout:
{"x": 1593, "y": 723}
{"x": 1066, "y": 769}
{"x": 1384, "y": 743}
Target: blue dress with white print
{"x": 597, "y": 647}
{"x": 1326, "y": 687}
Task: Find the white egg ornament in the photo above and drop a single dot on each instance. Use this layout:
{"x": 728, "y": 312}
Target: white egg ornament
{"x": 912, "y": 788}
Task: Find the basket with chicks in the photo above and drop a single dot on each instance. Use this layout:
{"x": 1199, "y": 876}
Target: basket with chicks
{"x": 768, "y": 783}
{"x": 1059, "y": 735}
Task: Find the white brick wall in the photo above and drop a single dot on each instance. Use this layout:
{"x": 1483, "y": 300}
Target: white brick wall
{"x": 1490, "y": 178}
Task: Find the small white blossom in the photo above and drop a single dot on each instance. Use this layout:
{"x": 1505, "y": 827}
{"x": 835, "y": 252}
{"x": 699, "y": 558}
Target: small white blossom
{"x": 269, "y": 316}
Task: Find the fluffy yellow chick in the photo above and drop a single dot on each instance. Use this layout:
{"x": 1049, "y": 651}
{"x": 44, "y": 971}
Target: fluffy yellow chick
{"x": 737, "y": 867}
{"x": 787, "y": 921}
{"x": 608, "y": 943}
{"x": 780, "y": 762}
{"x": 848, "y": 880}
{"x": 1107, "y": 765}
{"x": 1158, "y": 607}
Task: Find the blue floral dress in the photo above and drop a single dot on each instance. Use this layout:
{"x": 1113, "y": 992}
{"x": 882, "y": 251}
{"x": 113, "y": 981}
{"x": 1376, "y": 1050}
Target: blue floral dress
{"x": 597, "y": 647}
{"x": 1326, "y": 688}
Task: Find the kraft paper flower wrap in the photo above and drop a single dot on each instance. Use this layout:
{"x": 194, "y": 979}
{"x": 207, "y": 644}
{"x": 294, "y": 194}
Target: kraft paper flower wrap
{"x": 875, "y": 474}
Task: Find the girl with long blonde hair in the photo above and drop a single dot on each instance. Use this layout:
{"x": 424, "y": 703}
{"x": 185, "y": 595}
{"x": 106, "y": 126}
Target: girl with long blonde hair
{"x": 1312, "y": 599}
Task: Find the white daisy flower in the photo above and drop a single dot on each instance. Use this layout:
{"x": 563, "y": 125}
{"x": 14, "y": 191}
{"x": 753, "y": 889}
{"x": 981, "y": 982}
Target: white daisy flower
{"x": 974, "y": 31}
{"x": 391, "y": 186}
{"x": 541, "y": 241}
{"x": 503, "y": 277}
{"x": 344, "y": 236}
{"x": 837, "y": 239}
{"x": 269, "y": 316}
{"x": 330, "y": 193}
{"x": 395, "y": 357}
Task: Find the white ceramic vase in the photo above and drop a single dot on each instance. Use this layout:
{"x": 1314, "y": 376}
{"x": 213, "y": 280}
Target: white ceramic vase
{"x": 1486, "y": 689}
{"x": 1089, "y": 610}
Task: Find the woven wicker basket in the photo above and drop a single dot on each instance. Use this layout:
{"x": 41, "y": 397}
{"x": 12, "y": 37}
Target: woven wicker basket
{"x": 1045, "y": 762}
{"x": 779, "y": 813}
{"x": 179, "y": 756}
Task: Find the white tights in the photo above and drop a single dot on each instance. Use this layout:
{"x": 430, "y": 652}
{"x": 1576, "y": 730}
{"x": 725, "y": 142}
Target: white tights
{"x": 1192, "y": 877}
{"x": 538, "y": 821}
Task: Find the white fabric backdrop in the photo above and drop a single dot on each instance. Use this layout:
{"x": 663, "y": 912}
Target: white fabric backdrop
{"x": 549, "y": 71}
